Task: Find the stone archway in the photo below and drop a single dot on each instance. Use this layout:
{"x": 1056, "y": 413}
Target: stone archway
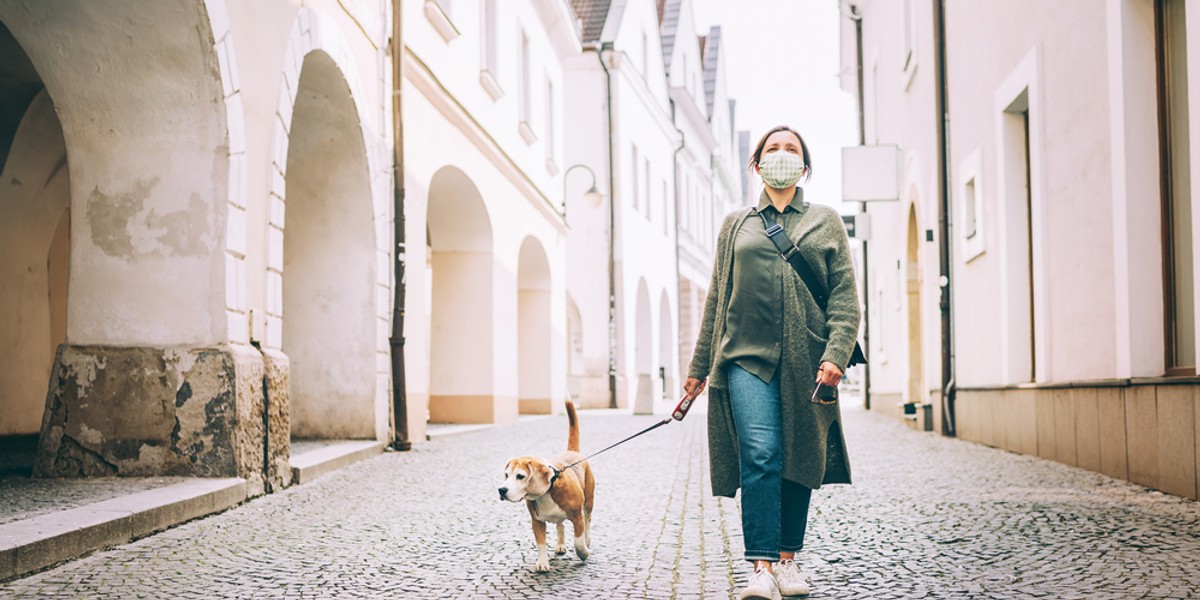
{"x": 533, "y": 329}
{"x": 666, "y": 370}
{"x": 35, "y": 225}
{"x": 329, "y": 268}
{"x": 915, "y": 388}
{"x": 321, "y": 102}
{"x": 644, "y": 352}
{"x": 461, "y": 371}
{"x": 154, "y": 147}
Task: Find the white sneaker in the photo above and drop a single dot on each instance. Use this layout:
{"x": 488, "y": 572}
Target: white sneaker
{"x": 791, "y": 581}
{"x": 761, "y": 586}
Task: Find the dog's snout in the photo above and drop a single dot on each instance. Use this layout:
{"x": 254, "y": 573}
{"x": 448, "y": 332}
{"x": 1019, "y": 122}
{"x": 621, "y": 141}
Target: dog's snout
{"x": 503, "y": 493}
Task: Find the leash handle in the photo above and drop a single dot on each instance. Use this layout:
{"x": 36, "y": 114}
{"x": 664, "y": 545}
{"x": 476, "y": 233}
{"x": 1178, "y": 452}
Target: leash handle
{"x": 682, "y": 408}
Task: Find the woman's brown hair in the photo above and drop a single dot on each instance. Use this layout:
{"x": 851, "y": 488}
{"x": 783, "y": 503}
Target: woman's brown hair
{"x": 758, "y": 150}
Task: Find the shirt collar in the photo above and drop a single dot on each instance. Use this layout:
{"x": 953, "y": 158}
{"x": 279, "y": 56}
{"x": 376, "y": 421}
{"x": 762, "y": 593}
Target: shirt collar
{"x": 797, "y": 203}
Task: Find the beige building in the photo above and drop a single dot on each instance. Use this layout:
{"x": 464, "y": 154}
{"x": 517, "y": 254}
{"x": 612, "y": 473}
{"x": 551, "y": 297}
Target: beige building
{"x": 1071, "y": 263}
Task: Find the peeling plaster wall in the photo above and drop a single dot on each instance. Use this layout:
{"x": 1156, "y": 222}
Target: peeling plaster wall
{"x": 142, "y": 412}
{"x": 329, "y": 268}
{"x": 34, "y": 195}
{"x": 138, "y": 91}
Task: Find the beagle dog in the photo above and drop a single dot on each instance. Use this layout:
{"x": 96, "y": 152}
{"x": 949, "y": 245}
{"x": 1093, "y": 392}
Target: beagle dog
{"x": 555, "y": 490}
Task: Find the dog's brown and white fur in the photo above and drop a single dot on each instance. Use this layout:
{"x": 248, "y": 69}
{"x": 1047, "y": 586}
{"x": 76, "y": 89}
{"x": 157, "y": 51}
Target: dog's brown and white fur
{"x": 570, "y": 498}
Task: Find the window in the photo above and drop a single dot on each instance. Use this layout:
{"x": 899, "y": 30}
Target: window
{"x": 646, "y": 178}
{"x": 550, "y": 163}
{"x": 645, "y": 55}
{"x": 909, "y": 66}
{"x": 683, "y": 73}
{"x": 526, "y": 88}
{"x": 489, "y": 75}
{"x": 970, "y": 224}
{"x": 1175, "y": 181}
{"x": 666, "y": 222}
{"x": 438, "y": 13}
{"x": 633, "y": 178}
{"x": 970, "y": 207}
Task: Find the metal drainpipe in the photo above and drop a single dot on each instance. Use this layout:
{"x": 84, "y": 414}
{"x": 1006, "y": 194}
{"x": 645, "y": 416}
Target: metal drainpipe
{"x": 944, "y": 225}
{"x": 675, "y": 176}
{"x": 856, "y": 16}
{"x": 599, "y": 48}
{"x": 400, "y": 439}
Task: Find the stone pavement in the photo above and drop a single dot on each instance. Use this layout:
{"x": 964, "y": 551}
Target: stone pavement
{"x": 927, "y": 517}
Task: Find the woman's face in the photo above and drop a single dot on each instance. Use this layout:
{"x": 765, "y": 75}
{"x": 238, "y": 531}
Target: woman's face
{"x": 781, "y": 141}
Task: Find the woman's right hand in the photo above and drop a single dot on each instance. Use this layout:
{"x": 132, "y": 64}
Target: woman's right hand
{"x": 692, "y": 387}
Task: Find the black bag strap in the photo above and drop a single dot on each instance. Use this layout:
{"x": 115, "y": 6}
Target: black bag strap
{"x": 790, "y": 253}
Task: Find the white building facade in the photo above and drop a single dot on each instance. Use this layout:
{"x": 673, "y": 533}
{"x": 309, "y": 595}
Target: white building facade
{"x": 706, "y": 174}
{"x": 486, "y": 238}
{"x": 1071, "y": 216}
{"x": 621, "y": 129}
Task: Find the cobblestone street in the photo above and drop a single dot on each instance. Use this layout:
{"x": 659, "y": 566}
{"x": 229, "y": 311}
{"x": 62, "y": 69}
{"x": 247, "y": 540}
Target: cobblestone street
{"x": 928, "y": 517}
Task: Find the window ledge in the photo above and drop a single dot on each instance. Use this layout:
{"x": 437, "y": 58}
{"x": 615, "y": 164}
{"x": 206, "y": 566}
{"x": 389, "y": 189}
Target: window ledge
{"x": 489, "y": 83}
{"x": 526, "y": 132}
{"x": 441, "y": 23}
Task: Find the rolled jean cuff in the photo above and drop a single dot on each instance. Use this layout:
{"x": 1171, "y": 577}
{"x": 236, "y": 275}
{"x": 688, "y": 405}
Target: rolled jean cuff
{"x": 791, "y": 549}
{"x": 759, "y": 555}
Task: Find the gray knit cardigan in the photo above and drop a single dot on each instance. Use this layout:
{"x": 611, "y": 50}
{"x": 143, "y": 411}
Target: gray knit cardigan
{"x": 813, "y": 444}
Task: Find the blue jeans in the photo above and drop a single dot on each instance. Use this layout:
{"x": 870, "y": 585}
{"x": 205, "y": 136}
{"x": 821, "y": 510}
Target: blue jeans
{"x": 774, "y": 511}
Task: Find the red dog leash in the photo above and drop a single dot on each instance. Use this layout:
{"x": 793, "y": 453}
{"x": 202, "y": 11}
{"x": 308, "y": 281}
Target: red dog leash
{"x": 678, "y": 414}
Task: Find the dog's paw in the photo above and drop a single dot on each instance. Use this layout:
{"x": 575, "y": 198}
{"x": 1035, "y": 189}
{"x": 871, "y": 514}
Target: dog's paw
{"x": 560, "y": 550}
{"x": 582, "y": 552}
{"x": 542, "y": 565}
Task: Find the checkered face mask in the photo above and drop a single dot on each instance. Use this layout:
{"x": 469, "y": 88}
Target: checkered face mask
{"x": 781, "y": 170}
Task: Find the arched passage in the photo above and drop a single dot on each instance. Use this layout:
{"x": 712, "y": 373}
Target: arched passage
{"x": 461, "y": 386}
{"x": 912, "y": 278}
{"x": 35, "y": 208}
{"x": 145, "y": 99}
{"x": 666, "y": 370}
{"x": 328, "y": 261}
{"x": 575, "y": 360}
{"x": 533, "y": 329}
{"x": 644, "y": 353}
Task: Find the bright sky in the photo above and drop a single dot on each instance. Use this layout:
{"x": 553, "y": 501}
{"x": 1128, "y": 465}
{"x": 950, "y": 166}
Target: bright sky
{"x": 783, "y": 70}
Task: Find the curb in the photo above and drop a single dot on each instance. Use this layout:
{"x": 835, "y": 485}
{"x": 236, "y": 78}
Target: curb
{"x": 34, "y": 544}
{"x": 313, "y": 464}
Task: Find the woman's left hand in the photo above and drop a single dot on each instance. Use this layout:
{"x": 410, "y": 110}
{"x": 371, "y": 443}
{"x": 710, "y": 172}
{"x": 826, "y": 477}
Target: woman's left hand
{"x": 829, "y": 374}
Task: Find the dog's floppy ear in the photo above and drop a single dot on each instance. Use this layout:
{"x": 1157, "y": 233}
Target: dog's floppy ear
{"x": 539, "y": 477}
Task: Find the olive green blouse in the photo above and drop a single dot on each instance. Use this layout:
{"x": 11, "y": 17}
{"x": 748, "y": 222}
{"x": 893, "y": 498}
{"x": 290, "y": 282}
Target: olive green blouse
{"x": 753, "y": 326}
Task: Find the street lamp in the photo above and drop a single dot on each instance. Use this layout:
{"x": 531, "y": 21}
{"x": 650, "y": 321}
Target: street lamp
{"x": 593, "y": 196}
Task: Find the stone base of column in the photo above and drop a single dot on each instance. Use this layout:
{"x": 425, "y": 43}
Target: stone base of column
{"x": 279, "y": 428}
{"x": 138, "y": 412}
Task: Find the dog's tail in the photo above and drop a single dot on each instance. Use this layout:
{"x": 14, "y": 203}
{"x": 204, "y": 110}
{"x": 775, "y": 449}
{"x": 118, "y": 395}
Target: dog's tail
{"x": 573, "y": 432}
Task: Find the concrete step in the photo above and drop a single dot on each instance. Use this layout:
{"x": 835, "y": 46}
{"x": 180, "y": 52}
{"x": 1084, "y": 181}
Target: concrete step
{"x": 315, "y": 463}
{"x": 33, "y": 544}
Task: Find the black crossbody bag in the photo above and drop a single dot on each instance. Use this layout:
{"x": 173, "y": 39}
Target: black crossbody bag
{"x": 790, "y": 253}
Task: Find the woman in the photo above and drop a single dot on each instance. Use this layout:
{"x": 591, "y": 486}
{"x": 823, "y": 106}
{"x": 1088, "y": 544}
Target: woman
{"x": 765, "y": 344}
